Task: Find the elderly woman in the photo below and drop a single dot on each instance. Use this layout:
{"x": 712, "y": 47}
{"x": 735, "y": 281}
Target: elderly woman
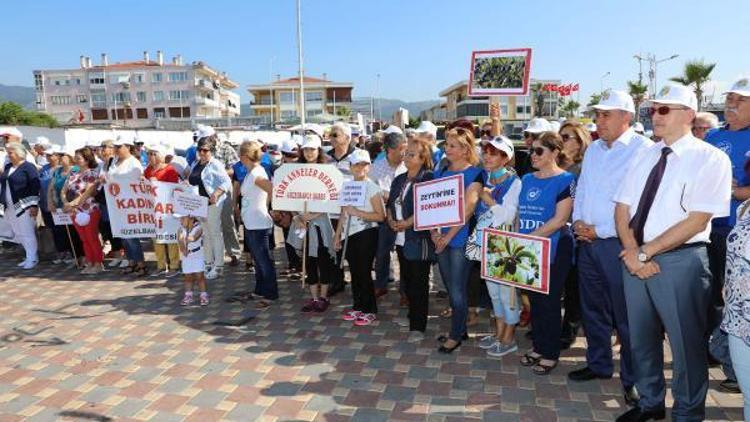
{"x": 159, "y": 171}
{"x": 450, "y": 243}
{"x": 78, "y": 200}
{"x": 210, "y": 177}
{"x": 116, "y": 252}
{"x": 45, "y": 180}
{"x": 19, "y": 201}
{"x": 73, "y": 245}
{"x": 128, "y": 168}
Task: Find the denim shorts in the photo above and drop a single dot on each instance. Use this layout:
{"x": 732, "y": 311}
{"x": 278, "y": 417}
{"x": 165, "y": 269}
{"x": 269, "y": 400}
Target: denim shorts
{"x": 501, "y": 302}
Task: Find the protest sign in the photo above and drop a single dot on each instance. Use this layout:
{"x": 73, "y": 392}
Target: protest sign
{"x": 131, "y": 208}
{"x": 188, "y": 203}
{"x": 439, "y": 203}
{"x": 353, "y": 194}
{"x": 500, "y": 72}
{"x": 61, "y": 219}
{"x": 166, "y": 224}
{"x": 317, "y": 185}
{"x": 516, "y": 260}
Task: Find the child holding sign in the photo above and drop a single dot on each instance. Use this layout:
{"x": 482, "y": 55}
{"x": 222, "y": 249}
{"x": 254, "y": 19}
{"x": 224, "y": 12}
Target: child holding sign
{"x": 190, "y": 241}
{"x": 362, "y": 231}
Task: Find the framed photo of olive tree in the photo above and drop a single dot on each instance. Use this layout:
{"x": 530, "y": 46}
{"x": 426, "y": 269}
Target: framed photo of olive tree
{"x": 516, "y": 260}
{"x": 500, "y": 72}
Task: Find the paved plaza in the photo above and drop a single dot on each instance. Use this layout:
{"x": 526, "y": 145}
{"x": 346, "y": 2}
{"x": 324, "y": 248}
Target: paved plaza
{"x": 110, "y": 349}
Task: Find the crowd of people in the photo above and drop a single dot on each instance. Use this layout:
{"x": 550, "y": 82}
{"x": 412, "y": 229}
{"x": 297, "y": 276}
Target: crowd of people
{"x": 649, "y": 235}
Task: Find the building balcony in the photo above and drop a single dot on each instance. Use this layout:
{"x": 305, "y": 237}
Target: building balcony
{"x": 206, "y": 101}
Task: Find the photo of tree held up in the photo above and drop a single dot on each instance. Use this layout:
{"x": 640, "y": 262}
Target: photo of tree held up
{"x": 500, "y": 72}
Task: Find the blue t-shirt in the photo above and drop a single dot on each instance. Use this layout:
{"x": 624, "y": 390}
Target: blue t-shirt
{"x": 538, "y": 200}
{"x": 471, "y": 175}
{"x": 191, "y": 153}
{"x": 498, "y": 192}
{"x": 240, "y": 171}
{"x": 144, "y": 158}
{"x": 736, "y": 144}
{"x": 267, "y": 165}
{"x": 45, "y": 177}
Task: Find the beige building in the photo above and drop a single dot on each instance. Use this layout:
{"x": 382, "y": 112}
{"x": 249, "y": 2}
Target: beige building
{"x": 137, "y": 93}
{"x": 514, "y": 110}
{"x": 279, "y": 101}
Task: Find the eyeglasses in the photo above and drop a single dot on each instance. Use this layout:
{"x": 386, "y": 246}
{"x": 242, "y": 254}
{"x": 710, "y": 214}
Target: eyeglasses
{"x": 490, "y": 150}
{"x": 204, "y": 150}
{"x": 530, "y": 135}
{"x": 539, "y": 151}
{"x": 486, "y": 132}
{"x": 661, "y": 110}
{"x": 702, "y": 128}
{"x": 333, "y": 135}
{"x": 153, "y": 153}
{"x": 566, "y": 137}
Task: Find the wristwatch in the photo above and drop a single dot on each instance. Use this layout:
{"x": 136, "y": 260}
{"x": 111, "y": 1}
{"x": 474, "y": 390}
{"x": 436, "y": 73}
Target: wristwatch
{"x": 642, "y": 256}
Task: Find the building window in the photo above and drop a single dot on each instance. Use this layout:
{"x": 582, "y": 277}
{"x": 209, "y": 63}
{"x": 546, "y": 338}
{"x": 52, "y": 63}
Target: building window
{"x": 178, "y": 95}
{"x": 121, "y": 97}
{"x": 287, "y": 98}
{"x": 116, "y": 78}
{"x": 141, "y": 113}
{"x": 78, "y": 81}
{"x": 140, "y": 97}
{"x": 81, "y": 99}
{"x": 311, "y": 113}
{"x": 314, "y": 96}
{"x": 138, "y": 78}
{"x": 286, "y": 114}
{"x": 98, "y": 99}
{"x": 179, "y": 112}
{"x": 158, "y": 96}
{"x": 178, "y": 76}
{"x": 96, "y": 78}
{"x": 470, "y": 109}
{"x": 156, "y": 78}
{"x": 120, "y": 113}
{"x": 159, "y": 113}
{"x": 99, "y": 114}
{"x": 60, "y": 99}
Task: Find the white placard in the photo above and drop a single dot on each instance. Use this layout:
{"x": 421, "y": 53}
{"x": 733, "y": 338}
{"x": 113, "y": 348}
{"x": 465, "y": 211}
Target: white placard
{"x": 188, "y": 203}
{"x": 353, "y": 194}
{"x": 318, "y": 185}
{"x": 61, "y": 219}
{"x": 439, "y": 203}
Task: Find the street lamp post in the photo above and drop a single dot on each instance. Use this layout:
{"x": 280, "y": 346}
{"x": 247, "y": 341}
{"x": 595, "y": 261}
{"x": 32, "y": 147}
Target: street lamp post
{"x": 656, "y": 64}
{"x": 301, "y": 67}
{"x": 601, "y": 82}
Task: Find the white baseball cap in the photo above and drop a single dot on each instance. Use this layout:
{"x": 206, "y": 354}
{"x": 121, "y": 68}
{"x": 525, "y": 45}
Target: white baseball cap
{"x": 311, "y": 141}
{"x": 427, "y": 127}
{"x": 53, "y": 149}
{"x": 615, "y": 100}
{"x": 343, "y": 127}
{"x": 158, "y": 148}
{"x": 638, "y": 127}
{"x": 393, "y": 129}
{"x": 359, "y": 156}
{"x": 205, "y": 131}
{"x": 298, "y": 139}
{"x": 503, "y": 144}
{"x": 554, "y": 126}
{"x": 11, "y": 131}
{"x": 676, "y": 95}
{"x": 289, "y": 146}
{"x": 123, "y": 140}
{"x": 741, "y": 87}
{"x": 96, "y": 143}
{"x": 538, "y": 125}
{"x": 591, "y": 127}
{"x": 40, "y": 140}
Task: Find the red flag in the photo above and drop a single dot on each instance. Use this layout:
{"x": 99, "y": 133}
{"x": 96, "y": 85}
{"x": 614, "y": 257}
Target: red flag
{"x": 575, "y": 87}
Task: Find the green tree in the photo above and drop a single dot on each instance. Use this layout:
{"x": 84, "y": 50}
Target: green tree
{"x": 637, "y": 90}
{"x": 343, "y": 111}
{"x": 414, "y": 122}
{"x": 696, "y": 74}
{"x": 594, "y": 100}
{"x": 537, "y": 97}
{"x": 569, "y": 108}
{"x": 14, "y": 114}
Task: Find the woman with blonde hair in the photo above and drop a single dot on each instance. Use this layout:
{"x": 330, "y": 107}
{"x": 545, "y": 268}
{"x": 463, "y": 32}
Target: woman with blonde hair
{"x": 450, "y": 243}
{"x": 575, "y": 139}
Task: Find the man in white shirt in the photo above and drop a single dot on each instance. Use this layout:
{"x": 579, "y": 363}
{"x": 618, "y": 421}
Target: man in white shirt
{"x": 664, "y": 207}
{"x": 383, "y": 171}
{"x": 599, "y": 269}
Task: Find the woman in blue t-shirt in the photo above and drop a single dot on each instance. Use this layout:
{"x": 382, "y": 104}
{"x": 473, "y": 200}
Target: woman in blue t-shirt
{"x": 544, "y": 208}
{"x": 450, "y": 243}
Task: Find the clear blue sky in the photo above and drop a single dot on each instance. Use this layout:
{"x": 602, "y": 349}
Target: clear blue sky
{"x": 419, "y": 47}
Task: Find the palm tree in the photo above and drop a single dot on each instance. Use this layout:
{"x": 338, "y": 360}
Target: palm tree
{"x": 637, "y": 90}
{"x": 537, "y": 98}
{"x": 695, "y": 74}
{"x": 594, "y": 100}
{"x": 569, "y": 108}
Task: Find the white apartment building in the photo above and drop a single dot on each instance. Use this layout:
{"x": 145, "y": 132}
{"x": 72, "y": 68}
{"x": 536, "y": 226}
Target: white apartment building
{"x": 137, "y": 93}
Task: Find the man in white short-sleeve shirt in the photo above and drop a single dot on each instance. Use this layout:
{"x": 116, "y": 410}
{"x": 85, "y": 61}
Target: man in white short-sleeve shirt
{"x": 663, "y": 213}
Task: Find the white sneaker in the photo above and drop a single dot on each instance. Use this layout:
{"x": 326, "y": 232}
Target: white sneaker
{"x": 115, "y": 262}
{"x": 29, "y": 265}
{"x": 124, "y": 263}
{"x": 212, "y": 275}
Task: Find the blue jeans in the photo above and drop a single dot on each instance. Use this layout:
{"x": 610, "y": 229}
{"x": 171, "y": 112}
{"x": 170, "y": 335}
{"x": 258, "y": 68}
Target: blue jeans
{"x": 265, "y": 273}
{"x": 454, "y": 269}
{"x": 133, "y": 250}
{"x": 718, "y": 346}
{"x": 740, "y": 352}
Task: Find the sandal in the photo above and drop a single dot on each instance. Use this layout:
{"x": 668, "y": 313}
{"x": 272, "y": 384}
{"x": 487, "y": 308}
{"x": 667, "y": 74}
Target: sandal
{"x": 528, "y": 359}
{"x": 187, "y": 300}
{"x": 140, "y": 271}
{"x": 446, "y": 313}
{"x": 128, "y": 270}
{"x": 263, "y": 304}
{"x": 542, "y": 369}
{"x": 204, "y": 299}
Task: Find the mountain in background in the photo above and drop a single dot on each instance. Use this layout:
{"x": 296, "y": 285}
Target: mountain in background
{"x": 390, "y": 106}
{"x": 23, "y": 95}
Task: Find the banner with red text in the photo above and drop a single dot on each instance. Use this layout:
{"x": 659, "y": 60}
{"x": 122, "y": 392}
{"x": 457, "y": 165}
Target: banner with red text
{"x": 142, "y": 209}
{"x": 317, "y": 185}
{"x": 439, "y": 203}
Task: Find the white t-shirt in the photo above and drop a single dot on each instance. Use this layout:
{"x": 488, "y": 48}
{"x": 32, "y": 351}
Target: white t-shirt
{"x": 357, "y": 225}
{"x": 401, "y": 236}
{"x": 131, "y": 168}
{"x": 255, "y": 201}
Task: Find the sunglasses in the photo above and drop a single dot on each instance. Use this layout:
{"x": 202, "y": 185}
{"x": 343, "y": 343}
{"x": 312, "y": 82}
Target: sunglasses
{"x": 539, "y": 151}
{"x": 152, "y": 153}
{"x": 529, "y": 135}
{"x": 566, "y": 137}
{"x": 490, "y": 150}
{"x": 486, "y": 132}
{"x": 661, "y": 110}
{"x": 204, "y": 150}
{"x": 702, "y": 128}
{"x": 333, "y": 135}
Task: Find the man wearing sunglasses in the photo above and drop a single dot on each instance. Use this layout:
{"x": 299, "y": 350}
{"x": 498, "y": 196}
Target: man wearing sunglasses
{"x": 603, "y": 308}
{"x": 734, "y": 139}
{"x": 664, "y": 206}
{"x": 533, "y": 131}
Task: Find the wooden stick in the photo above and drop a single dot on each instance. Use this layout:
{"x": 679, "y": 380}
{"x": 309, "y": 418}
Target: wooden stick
{"x": 346, "y": 241}
{"x": 304, "y": 248}
{"x": 72, "y": 246}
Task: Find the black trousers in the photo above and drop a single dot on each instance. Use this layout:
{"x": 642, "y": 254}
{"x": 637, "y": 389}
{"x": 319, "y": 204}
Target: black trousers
{"x": 319, "y": 269}
{"x": 360, "y": 254}
{"x": 295, "y": 263}
{"x": 717, "y": 260}
{"x": 416, "y": 276}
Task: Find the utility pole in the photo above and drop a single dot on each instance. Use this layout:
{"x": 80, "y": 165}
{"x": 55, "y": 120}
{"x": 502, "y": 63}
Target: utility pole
{"x": 377, "y": 89}
{"x": 301, "y": 67}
